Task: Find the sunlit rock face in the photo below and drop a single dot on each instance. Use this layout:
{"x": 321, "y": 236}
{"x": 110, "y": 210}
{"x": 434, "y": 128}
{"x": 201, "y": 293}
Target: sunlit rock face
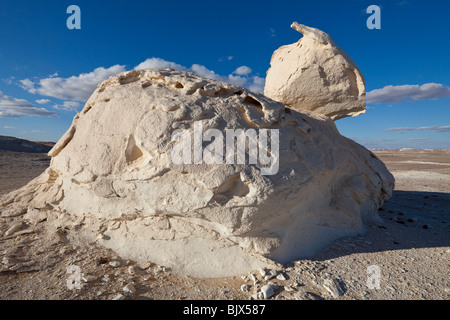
{"x": 115, "y": 174}
{"x": 316, "y": 75}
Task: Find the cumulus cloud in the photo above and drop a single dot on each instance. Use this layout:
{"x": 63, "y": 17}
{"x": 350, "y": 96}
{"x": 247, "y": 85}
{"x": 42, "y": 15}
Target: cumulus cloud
{"x": 243, "y": 71}
{"x": 42, "y": 101}
{"x": 257, "y": 84}
{"x": 240, "y": 77}
{"x": 236, "y": 80}
{"x": 68, "y": 106}
{"x": 205, "y": 72}
{"x": 152, "y": 63}
{"x": 12, "y": 107}
{"x": 78, "y": 88}
{"x": 75, "y": 88}
{"x": 404, "y": 93}
{"x": 432, "y": 128}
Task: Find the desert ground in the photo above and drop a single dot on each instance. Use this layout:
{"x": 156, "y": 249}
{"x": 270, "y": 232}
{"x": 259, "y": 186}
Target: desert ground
{"x": 405, "y": 257}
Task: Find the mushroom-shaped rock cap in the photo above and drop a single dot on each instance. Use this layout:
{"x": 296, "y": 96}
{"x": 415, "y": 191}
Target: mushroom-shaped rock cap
{"x": 316, "y": 75}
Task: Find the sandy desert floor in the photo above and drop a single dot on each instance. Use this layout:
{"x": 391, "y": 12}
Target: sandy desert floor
{"x": 405, "y": 257}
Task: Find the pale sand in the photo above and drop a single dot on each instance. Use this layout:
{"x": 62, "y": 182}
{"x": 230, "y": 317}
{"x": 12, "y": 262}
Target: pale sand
{"x": 410, "y": 249}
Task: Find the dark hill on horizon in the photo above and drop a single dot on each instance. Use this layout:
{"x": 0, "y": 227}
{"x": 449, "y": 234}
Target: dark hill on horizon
{"x": 21, "y": 145}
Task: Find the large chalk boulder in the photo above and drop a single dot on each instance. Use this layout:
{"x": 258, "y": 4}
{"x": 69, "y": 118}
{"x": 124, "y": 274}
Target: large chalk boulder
{"x": 314, "y": 74}
{"x": 144, "y": 170}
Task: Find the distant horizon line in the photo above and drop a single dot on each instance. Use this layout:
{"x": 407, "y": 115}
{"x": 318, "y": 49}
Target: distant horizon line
{"x": 405, "y": 148}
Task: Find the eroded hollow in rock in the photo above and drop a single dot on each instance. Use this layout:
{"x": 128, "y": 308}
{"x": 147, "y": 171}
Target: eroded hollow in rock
{"x": 230, "y": 188}
{"x": 132, "y": 152}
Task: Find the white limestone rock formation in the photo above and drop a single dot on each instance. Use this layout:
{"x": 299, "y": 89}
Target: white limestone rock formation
{"x": 316, "y": 75}
{"x": 113, "y": 180}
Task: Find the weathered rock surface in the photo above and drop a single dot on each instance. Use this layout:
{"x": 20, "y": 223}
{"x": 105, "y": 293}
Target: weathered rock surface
{"x": 316, "y": 75}
{"x": 112, "y": 174}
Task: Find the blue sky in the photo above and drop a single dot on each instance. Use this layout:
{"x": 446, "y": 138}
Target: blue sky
{"x": 47, "y": 71}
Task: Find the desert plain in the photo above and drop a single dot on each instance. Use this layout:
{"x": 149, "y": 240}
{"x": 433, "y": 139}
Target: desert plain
{"x": 403, "y": 257}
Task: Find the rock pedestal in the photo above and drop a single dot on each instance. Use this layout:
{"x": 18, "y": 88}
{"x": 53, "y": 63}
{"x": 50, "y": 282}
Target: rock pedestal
{"x": 114, "y": 181}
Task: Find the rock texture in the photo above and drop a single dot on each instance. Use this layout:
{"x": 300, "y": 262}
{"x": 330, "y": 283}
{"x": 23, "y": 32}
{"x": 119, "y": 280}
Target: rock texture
{"x": 113, "y": 181}
{"x": 316, "y": 75}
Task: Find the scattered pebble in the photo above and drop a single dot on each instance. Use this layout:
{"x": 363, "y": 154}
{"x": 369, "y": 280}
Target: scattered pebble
{"x": 244, "y": 287}
{"x": 64, "y": 251}
{"x": 145, "y": 265}
{"x": 262, "y": 272}
{"x": 7, "y": 260}
{"x": 334, "y": 287}
{"x": 88, "y": 278}
{"x": 114, "y": 263}
{"x": 119, "y": 297}
{"x": 307, "y": 296}
{"x": 268, "y": 290}
{"x": 101, "y": 236}
{"x": 281, "y": 277}
{"x": 14, "y": 228}
{"x": 105, "y": 278}
{"x": 129, "y": 288}
{"x": 131, "y": 270}
{"x": 253, "y": 278}
{"x": 289, "y": 289}
{"x": 272, "y": 273}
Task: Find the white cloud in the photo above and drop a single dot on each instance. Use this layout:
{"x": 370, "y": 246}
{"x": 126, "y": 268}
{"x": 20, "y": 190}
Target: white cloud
{"x": 257, "y": 84}
{"x": 152, "y": 63}
{"x": 9, "y": 127}
{"x": 240, "y": 77}
{"x": 28, "y": 85}
{"x": 237, "y": 80}
{"x": 68, "y": 106}
{"x": 205, "y": 72}
{"x": 404, "y": 93}
{"x": 272, "y": 33}
{"x": 229, "y": 58}
{"x": 42, "y": 101}
{"x": 432, "y": 128}
{"x": 76, "y": 88}
{"x": 8, "y": 80}
{"x": 243, "y": 71}
{"x": 12, "y": 107}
